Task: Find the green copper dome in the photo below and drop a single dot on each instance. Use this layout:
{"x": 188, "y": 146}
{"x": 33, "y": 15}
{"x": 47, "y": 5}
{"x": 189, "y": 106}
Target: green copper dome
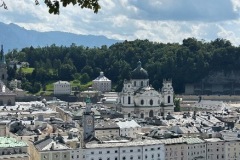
{"x": 139, "y": 72}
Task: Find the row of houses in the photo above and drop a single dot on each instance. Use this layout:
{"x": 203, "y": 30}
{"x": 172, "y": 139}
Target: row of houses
{"x": 51, "y": 148}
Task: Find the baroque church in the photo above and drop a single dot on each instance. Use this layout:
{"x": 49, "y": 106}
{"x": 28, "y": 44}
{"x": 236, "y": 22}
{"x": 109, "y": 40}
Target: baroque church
{"x": 138, "y": 98}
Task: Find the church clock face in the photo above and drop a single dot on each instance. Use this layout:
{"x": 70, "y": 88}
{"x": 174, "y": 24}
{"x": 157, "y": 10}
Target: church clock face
{"x": 89, "y": 121}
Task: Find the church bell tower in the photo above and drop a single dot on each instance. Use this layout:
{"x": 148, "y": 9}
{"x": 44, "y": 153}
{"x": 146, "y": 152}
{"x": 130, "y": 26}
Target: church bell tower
{"x": 88, "y": 121}
{"x": 3, "y": 67}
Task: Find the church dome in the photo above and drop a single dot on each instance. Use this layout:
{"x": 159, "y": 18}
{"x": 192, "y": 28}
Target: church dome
{"x": 139, "y": 72}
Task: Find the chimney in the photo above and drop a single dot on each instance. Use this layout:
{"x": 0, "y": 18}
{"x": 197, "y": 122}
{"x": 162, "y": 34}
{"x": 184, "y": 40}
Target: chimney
{"x": 35, "y": 138}
{"x": 52, "y": 147}
{"x": 70, "y": 136}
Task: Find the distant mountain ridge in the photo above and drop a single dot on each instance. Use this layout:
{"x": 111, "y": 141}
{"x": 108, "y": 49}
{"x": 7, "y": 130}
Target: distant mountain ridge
{"x": 13, "y": 36}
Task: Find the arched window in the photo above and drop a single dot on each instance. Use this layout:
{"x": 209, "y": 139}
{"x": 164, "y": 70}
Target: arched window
{"x": 169, "y": 99}
{"x": 151, "y": 102}
{"x": 151, "y": 113}
{"x": 142, "y": 115}
{"x": 129, "y": 100}
{"x": 142, "y": 102}
{"x": 141, "y": 83}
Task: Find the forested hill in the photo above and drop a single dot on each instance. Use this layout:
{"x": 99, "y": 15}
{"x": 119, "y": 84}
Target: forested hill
{"x": 184, "y": 63}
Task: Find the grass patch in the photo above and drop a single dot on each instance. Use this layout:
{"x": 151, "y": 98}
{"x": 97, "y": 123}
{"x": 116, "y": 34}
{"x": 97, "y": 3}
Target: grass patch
{"x": 27, "y": 70}
{"x": 49, "y": 86}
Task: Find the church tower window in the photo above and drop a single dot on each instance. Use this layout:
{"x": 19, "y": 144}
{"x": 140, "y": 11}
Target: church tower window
{"x": 142, "y": 102}
{"x": 151, "y": 102}
{"x": 129, "y": 100}
{"x": 169, "y": 99}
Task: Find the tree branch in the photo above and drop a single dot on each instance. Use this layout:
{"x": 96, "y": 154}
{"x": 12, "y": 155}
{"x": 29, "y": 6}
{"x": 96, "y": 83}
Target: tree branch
{"x": 54, "y": 5}
{"x": 4, "y": 5}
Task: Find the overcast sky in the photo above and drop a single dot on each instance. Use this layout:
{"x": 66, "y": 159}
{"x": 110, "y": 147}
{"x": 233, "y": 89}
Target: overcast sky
{"x": 156, "y": 20}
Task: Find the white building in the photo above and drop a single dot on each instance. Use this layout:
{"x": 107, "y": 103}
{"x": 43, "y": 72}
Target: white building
{"x": 102, "y": 83}
{"x": 209, "y": 105}
{"x": 215, "y": 149}
{"x": 131, "y": 150}
{"x": 139, "y": 99}
{"x": 129, "y": 128}
{"x": 13, "y": 84}
{"x": 12, "y": 149}
{"x": 196, "y": 149}
{"x": 62, "y": 88}
{"x": 231, "y": 149}
{"x": 175, "y": 149}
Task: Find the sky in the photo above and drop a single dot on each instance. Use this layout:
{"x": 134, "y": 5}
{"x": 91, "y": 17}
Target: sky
{"x": 166, "y": 21}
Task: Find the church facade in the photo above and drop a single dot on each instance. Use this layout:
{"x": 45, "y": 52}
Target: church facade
{"x": 139, "y": 99}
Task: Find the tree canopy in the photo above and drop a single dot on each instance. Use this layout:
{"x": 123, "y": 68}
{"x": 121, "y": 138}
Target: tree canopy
{"x": 184, "y": 63}
{"x": 55, "y": 5}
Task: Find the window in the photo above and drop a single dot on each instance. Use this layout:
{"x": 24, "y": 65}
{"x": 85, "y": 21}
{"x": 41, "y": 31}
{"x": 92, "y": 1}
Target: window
{"x": 151, "y": 102}
{"x": 146, "y": 149}
{"x": 131, "y": 150}
{"x": 124, "y": 158}
{"x": 142, "y": 102}
{"x": 116, "y": 151}
{"x": 129, "y": 100}
{"x": 65, "y": 156}
{"x": 108, "y": 151}
{"x": 139, "y": 150}
{"x": 123, "y": 151}
{"x": 92, "y": 152}
{"x": 100, "y": 152}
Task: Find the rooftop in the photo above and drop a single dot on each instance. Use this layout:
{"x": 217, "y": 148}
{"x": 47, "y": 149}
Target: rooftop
{"x": 11, "y": 142}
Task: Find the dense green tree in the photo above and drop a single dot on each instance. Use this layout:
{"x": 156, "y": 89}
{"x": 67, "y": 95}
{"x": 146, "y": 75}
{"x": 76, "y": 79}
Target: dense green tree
{"x": 85, "y": 78}
{"x": 184, "y": 63}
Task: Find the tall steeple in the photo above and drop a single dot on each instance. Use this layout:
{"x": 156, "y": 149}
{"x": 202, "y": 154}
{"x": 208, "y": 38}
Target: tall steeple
{"x": 2, "y": 55}
{"x": 3, "y": 67}
{"x": 88, "y": 121}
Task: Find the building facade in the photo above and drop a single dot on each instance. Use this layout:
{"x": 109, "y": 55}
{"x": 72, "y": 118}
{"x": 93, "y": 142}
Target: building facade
{"x": 102, "y": 83}
{"x": 139, "y": 99}
{"x": 129, "y": 128}
{"x": 12, "y": 149}
{"x": 215, "y": 149}
{"x": 62, "y": 88}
